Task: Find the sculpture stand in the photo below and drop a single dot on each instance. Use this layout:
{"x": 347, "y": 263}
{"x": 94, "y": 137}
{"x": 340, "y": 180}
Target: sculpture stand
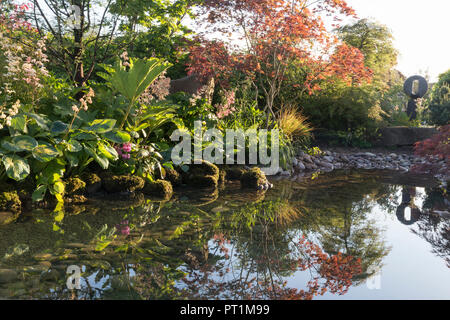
{"x": 411, "y": 110}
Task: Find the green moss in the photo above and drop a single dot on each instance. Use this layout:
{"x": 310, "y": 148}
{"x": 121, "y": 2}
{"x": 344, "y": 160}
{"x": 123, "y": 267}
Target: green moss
{"x": 75, "y": 186}
{"x": 174, "y": 177}
{"x": 10, "y": 201}
{"x": 116, "y": 184}
{"x": 204, "y": 175}
{"x": 253, "y": 178}
{"x": 204, "y": 169}
{"x": 160, "y": 188}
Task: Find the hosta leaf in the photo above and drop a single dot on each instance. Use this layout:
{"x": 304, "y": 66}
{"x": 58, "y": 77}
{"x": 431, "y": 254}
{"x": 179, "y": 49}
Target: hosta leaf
{"x": 85, "y": 136}
{"x": 74, "y": 146}
{"x": 102, "y": 125}
{"x": 117, "y": 136}
{"x": 39, "y": 193}
{"x": 8, "y": 146}
{"x": 25, "y": 143}
{"x": 54, "y": 171}
{"x": 101, "y": 160}
{"x": 19, "y": 123}
{"x": 41, "y": 120}
{"x": 59, "y": 127}
{"x": 45, "y": 152}
{"x": 108, "y": 151}
{"x": 58, "y": 187}
{"x": 72, "y": 158}
{"x": 16, "y": 167}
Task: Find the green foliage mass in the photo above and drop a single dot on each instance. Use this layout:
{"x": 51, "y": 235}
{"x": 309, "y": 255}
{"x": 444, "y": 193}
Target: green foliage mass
{"x": 438, "y": 111}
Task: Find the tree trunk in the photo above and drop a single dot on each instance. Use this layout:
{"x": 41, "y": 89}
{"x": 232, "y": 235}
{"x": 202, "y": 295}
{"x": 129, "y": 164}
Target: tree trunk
{"x": 78, "y": 51}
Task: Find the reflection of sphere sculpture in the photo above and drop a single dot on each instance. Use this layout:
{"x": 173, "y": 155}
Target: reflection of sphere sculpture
{"x": 415, "y": 87}
{"x": 415, "y": 214}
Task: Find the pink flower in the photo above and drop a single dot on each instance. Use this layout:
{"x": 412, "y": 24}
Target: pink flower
{"x": 123, "y": 228}
{"x": 224, "y": 110}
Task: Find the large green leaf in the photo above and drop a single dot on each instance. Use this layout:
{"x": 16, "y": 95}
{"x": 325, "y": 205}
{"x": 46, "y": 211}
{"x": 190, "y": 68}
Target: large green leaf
{"x": 24, "y": 143}
{"x": 53, "y": 172}
{"x": 85, "y": 136}
{"x": 59, "y": 127}
{"x": 72, "y": 158}
{"x": 108, "y": 151}
{"x": 117, "y": 136}
{"x": 100, "y": 159}
{"x": 45, "y": 152}
{"x": 16, "y": 167}
{"x": 133, "y": 82}
{"x": 74, "y": 146}
{"x": 41, "y": 120}
{"x": 102, "y": 125}
{"x": 19, "y": 123}
{"x": 8, "y": 146}
{"x": 58, "y": 187}
{"x": 39, "y": 193}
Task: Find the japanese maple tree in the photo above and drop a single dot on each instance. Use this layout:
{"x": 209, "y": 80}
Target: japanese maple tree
{"x": 271, "y": 36}
{"x": 436, "y": 146}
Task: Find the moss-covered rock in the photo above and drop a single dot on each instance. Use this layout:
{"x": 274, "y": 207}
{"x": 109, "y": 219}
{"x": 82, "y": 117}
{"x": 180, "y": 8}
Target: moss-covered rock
{"x": 76, "y": 199}
{"x": 254, "y": 179}
{"x": 234, "y": 173}
{"x": 75, "y": 186}
{"x": 204, "y": 169}
{"x": 174, "y": 177}
{"x": 117, "y": 184}
{"x": 160, "y": 189}
{"x": 10, "y": 201}
{"x": 204, "y": 175}
{"x": 93, "y": 183}
{"x": 7, "y": 217}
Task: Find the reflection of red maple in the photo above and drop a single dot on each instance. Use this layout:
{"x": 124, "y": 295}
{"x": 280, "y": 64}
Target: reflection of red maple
{"x": 332, "y": 274}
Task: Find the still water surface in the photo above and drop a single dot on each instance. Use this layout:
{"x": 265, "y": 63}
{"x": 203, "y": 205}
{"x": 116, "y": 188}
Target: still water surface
{"x": 344, "y": 235}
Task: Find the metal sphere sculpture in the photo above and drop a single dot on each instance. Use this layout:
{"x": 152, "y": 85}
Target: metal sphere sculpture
{"x": 415, "y": 87}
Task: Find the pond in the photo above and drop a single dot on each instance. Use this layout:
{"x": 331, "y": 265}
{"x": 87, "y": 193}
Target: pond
{"x": 341, "y": 235}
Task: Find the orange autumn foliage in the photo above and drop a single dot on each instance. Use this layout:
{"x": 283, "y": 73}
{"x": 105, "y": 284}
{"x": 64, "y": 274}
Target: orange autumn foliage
{"x": 277, "y": 33}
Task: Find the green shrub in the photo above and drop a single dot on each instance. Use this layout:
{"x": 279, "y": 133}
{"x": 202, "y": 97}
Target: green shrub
{"x": 438, "y": 111}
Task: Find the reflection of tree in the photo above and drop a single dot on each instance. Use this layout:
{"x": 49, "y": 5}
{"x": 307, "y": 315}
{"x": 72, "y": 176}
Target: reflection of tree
{"x": 433, "y": 228}
{"x": 261, "y": 253}
{"x": 239, "y": 246}
{"x": 339, "y": 219}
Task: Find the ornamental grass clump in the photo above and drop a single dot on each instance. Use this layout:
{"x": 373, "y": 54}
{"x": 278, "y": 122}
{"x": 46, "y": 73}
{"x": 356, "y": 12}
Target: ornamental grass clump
{"x": 293, "y": 124}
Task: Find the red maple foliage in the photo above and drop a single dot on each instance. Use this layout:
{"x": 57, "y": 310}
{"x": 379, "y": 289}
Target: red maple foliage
{"x": 277, "y": 34}
{"x": 13, "y": 16}
{"x": 438, "y": 145}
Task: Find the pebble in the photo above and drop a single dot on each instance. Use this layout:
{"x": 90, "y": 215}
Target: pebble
{"x": 8, "y": 275}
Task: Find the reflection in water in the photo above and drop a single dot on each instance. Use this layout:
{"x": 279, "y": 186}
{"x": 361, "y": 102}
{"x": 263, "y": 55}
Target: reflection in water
{"x": 407, "y": 212}
{"x": 434, "y": 227}
{"x": 297, "y": 241}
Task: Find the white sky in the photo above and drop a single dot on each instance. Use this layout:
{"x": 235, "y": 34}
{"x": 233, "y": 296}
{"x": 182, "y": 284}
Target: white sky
{"x": 421, "y": 29}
